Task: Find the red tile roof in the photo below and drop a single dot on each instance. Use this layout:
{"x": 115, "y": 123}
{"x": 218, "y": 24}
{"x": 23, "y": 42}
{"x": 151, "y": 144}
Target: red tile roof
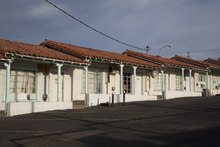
{"x": 160, "y": 60}
{"x": 213, "y": 63}
{"x": 97, "y": 55}
{"x": 36, "y": 51}
{"x": 197, "y": 63}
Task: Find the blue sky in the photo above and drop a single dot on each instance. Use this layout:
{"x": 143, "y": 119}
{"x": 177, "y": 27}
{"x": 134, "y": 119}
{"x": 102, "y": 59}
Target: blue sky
{"x": 187, "y": 25}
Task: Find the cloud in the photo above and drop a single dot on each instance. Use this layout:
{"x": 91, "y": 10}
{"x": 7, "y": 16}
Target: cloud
{"x": 42, "y": 11}
{"x": 189, "y": 25}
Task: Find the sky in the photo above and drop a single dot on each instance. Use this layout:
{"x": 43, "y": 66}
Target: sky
{"x": 186, "y": 25}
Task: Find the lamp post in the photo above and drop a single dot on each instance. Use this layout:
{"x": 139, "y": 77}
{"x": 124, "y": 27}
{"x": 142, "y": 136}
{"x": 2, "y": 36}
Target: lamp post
{"x": 164, "y": 47}
{"x": 147, "y": 49}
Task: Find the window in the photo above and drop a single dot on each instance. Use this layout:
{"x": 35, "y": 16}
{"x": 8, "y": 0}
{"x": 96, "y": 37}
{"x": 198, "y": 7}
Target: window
{"x": 157, "y": 81}
{"x": 214, "y": 82}
{"x": 127, "y": 82}
{"x": 94, "y": 82}
{"x": 202, "y": 78}
{"x": 178, "y": 83}
{"x": 22, "y": 82}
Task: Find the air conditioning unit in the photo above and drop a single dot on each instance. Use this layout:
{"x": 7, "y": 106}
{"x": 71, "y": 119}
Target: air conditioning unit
{"x": 113, "y": 70}
{"x": 201, "y": 84}
{"x": 155, "y": 74}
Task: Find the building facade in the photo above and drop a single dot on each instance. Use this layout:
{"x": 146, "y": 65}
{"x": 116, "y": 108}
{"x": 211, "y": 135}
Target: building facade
{"x": 56, "y": 75}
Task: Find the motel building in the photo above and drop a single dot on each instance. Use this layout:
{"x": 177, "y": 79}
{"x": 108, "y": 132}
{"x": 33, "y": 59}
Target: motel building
{"x": 58, "y": 76}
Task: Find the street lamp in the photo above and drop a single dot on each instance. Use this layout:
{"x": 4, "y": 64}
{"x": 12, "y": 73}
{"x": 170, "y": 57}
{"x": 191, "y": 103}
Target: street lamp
{"x": 147, "y": 49}
{"x": 164, "y": 47}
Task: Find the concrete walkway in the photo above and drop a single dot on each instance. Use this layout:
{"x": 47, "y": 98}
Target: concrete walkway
{"x": 179, "y": 122}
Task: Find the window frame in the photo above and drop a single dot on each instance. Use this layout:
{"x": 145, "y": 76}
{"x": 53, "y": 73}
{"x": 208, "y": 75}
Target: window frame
{"x": 127, "y": 83}
{"x": 23, "y": 81}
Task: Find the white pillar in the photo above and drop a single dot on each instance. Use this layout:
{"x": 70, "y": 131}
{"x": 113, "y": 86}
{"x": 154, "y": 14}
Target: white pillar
{"x": 7, "y": 85}
{"x": 165, "y": 82}
{"x": 142, "y": 84}
{"x": 86, "y": 79}
{"x": 58, "y": 80}
{"x": 134, "y": 80}
{"x": 207, "y": 81}
{"x": 121, "y": 78}
{"x": 162, "y": 84}
{"x": 182, "y": 79}
{"x": 190, "y": 80}
{"x": 162, "y": 80}
{"x": 211, "y": 84}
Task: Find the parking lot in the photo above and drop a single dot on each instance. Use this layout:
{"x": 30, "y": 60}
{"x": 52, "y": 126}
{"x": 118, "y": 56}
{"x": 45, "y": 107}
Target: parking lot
{"x": 178, "y": 122}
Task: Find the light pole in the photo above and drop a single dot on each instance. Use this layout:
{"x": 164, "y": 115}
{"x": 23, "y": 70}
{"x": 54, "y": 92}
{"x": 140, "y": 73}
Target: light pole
{"x": 146, "y": 49}
{"x": 164, "y": 47}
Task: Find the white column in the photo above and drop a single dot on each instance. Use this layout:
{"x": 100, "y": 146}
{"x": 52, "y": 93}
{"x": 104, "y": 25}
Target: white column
{"x": 207, "y": 80}
{"x": 58, "y": 80}
{"x": 168, "y": 80}
{"x": 182, "y": 79}
{"x": 134, "y": 80}
{"x": 190, "y": 80}
{"x": 86, "y": 79}
{"x": 165, "y": 82}
{"x": 162, "y": 80}
{"x": 142, "y": 84}
{"x": 211, "y": 84}
{"x": 121, "y": 78}
{"x": 7, "y": 84}
{"x": 162, "y": 84}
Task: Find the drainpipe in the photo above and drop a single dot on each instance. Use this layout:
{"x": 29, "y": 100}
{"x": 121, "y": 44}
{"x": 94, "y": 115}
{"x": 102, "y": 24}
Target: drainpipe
{"x": 121, "y": 78}
{"x": 190, "y": 79}
{"x": 58, "y": 80}
{"x": 7, "y": 85}
{"x": 134, "y": 80}
{"x": 183, "y": 79}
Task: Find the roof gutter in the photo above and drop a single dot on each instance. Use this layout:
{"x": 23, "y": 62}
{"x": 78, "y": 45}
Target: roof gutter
{"x": 47, "y": 59}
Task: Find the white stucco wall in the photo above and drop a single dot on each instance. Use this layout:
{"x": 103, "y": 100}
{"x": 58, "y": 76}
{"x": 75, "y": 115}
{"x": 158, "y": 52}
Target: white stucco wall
{"x": 138, "y": 87}
{"x": 18, "y": 108}
{"x": 117, "y": 82}
{"x": 96, "y": 99}
{"x": 77, "y": 84}
{"x": 178, "y": 94}
{"x": 172, "y": 82}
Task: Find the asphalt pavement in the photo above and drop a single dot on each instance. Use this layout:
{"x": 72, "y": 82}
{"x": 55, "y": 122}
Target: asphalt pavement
{"x": 187, "y": 122}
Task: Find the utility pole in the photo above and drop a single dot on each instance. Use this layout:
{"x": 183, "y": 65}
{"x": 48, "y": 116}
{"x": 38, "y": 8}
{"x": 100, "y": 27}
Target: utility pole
{"x": 188, "y": 55}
